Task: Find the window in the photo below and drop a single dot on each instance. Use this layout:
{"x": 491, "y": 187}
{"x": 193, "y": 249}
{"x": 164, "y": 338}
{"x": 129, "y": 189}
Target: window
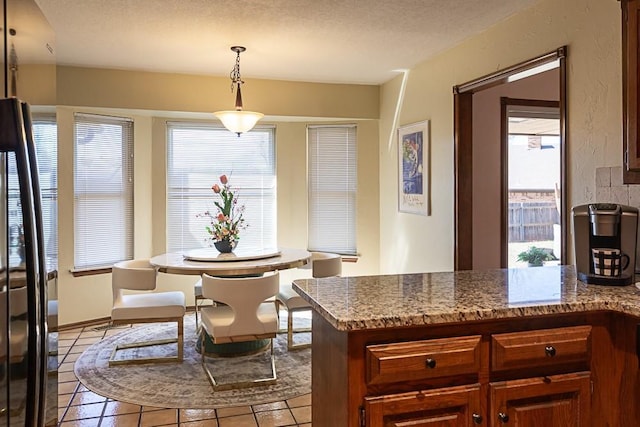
{"x": 103, "y": 184}
{"x": 332, "y": 188}
{"x": 197, "y": 155}
{"x": 45, "y": 139}
{"x": 45, "y": 136}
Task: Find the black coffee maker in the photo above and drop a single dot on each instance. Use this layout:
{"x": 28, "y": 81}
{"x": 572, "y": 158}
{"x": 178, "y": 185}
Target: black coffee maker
{"x": 605, "y": 228}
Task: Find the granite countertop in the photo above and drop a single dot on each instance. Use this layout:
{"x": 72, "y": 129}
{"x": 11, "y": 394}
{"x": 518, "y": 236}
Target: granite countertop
{"x": 374, "y": 302}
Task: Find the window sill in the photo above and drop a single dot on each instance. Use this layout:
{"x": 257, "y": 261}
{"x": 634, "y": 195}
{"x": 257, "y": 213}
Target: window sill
{"x": 90, "y": 272}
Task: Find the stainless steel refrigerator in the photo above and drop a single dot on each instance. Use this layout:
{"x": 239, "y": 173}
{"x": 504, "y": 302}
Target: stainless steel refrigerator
{"x": 23, "y": 300}
{"x": 25, "y": 347}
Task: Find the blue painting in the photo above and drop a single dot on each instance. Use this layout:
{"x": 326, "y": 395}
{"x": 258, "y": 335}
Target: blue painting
{"x": 412, "y": 146}
{"x": 413, "y": 153}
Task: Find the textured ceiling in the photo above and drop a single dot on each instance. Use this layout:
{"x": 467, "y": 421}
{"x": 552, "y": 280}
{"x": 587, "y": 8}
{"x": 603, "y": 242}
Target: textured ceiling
{"x": 337, "y": 41}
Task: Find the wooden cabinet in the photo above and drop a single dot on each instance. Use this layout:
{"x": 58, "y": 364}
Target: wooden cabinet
{"x": 550, "y": 400}
{"x": 542, "y": 347}
{"x": 424, "y": 360}
{"x": 447, "y": 407}
{"x": 384, "y": 377}
{"x": 630, "y": 87}
{"x": 553, "y": 401}
{"x": 415, "y": 360}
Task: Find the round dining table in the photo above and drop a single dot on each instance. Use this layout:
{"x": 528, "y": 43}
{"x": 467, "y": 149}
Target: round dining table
{"x": 240, "y": 262}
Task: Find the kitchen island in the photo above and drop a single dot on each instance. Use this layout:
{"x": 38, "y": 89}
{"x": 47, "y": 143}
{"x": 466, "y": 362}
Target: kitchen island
{"x": 528, "y": 347}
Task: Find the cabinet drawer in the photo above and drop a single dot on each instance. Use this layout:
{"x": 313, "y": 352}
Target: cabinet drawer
{"x": 452, "y": 406}
{"x": 417, "y": 360}
{"x": 542, "y": 347}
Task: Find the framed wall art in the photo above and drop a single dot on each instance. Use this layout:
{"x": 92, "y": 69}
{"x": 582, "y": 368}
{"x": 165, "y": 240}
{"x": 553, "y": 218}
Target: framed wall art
{"x": 413, "y": 179}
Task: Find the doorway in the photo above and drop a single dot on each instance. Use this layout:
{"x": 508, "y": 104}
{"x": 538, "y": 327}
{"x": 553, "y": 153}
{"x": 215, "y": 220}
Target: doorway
{"x": 486, "y": 249}
{"x": 531, "y": 184}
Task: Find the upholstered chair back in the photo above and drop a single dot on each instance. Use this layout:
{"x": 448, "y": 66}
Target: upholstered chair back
{"x": 245, "y": 297}
{"x": 135, "y": 275}
{"x": 325, "y": 264}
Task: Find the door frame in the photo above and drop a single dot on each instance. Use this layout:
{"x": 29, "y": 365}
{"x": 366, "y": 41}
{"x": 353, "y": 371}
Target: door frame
{"x": 505, "y": 103}
{"x": 463, "y": 150}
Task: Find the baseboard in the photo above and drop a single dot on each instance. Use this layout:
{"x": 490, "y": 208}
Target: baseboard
{"x": 92, "y": 322}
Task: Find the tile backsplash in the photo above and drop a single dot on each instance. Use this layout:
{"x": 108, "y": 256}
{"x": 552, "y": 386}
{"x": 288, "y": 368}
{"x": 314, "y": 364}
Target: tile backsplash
{"x": 610, "y": 189}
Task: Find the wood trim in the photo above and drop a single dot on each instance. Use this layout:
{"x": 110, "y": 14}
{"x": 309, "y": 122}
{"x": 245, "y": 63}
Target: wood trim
{"x": 504, "y": 183}
{"x": 80, "y": 273}
{"x": 83, "y": 324}
{"x": 502, "y": 76}
{"x": 463, "y": 178}
{"x": 100, "y": 321}
{"x": 630, "y": 83}
{"x": 564, "y": 177}
{"x": 463, "y": 151}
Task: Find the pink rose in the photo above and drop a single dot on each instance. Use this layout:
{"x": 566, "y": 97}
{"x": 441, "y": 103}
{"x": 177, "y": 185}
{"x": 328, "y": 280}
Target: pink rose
{"x": 220, "y": 217}
{"x": 216, "y": 188}
{"x": 223, "y": 179}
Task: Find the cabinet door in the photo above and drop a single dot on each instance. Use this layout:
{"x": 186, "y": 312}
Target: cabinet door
{"x": 553, "y": 401}
{"x": 630, "y": 80}
{"x": 444, "y": 407}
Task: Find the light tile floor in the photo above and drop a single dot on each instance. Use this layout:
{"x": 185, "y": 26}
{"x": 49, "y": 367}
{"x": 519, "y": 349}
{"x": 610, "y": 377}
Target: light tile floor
{"x": 79, "y": 407}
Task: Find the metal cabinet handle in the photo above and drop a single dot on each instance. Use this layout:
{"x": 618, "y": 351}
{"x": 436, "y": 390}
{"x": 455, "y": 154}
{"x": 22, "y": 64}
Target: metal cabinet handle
{"x": 550, "y": 351}
{"x": 431, "y": 363}
{"x": 477, "y": 419}
{"x": 503, "y": 417}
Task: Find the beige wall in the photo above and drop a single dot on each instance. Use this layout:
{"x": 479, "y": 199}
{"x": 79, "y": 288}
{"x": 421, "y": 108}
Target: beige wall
{"x": 487, "y": 155}
{"x": 137, "y": 90}
{"x": 590, "y": 28}
{"x": 36, "y": 84}
{"x": 143, "y": 97}
{"x": 407, "y": 243}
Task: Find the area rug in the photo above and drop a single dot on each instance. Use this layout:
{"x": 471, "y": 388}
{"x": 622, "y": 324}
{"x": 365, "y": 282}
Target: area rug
{"x": 185, "y": 385}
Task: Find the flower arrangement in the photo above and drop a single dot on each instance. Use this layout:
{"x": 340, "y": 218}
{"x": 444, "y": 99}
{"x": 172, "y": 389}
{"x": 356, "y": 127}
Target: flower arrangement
{"x": 226, "y": 223}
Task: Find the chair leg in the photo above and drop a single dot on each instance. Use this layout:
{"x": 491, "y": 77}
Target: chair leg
{"x": 179, "y": 340}
{"x": 290, "y": 331}
{"x": 280, "y": 306}
{"x": 196, "y": 310}
{"x": 272, "y": 379}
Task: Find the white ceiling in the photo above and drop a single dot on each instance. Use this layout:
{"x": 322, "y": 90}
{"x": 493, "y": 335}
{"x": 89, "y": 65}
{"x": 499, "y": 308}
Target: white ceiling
{"x": 335, "y": 41}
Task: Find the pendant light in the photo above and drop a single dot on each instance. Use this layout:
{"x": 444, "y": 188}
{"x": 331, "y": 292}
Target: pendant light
{"x": 238, "y": 120}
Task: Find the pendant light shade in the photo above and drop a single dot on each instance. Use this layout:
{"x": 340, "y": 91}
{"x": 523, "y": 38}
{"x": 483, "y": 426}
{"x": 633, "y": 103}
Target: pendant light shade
{"x": 238, "y": 120}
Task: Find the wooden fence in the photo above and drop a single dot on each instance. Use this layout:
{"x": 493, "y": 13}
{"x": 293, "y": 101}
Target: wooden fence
{"x": 531, "y": 221}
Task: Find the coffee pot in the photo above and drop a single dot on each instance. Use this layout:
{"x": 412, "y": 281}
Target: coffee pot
{"x": 605, "y": 239}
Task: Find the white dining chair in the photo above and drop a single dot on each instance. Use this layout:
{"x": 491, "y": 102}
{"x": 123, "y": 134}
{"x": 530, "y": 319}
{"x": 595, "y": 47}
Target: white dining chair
{"x": 147, "y": 307}
{"x": 323, "y": 264}
{"x": 244, "y": 313}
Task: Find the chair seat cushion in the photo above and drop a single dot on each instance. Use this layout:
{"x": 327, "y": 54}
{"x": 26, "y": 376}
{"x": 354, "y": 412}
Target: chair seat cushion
{"x": 157, "y": 305}
{"x": 217, "y": 321}
{"x": 290, "y": 298}
{"x": 197, "y": 289}
{"x": 52, "y": 314}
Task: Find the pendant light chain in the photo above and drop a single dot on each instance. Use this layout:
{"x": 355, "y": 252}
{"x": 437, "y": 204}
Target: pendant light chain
{"x": 238, "y": 120}
{"x": 235, "y": 73}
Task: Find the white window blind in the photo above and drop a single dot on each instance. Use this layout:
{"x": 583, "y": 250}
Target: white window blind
{"x": 332, "y": 188}
{"x": 103, "y": 184}
{"x": 197, "y": 155}
{"x": 45, "y": 136}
